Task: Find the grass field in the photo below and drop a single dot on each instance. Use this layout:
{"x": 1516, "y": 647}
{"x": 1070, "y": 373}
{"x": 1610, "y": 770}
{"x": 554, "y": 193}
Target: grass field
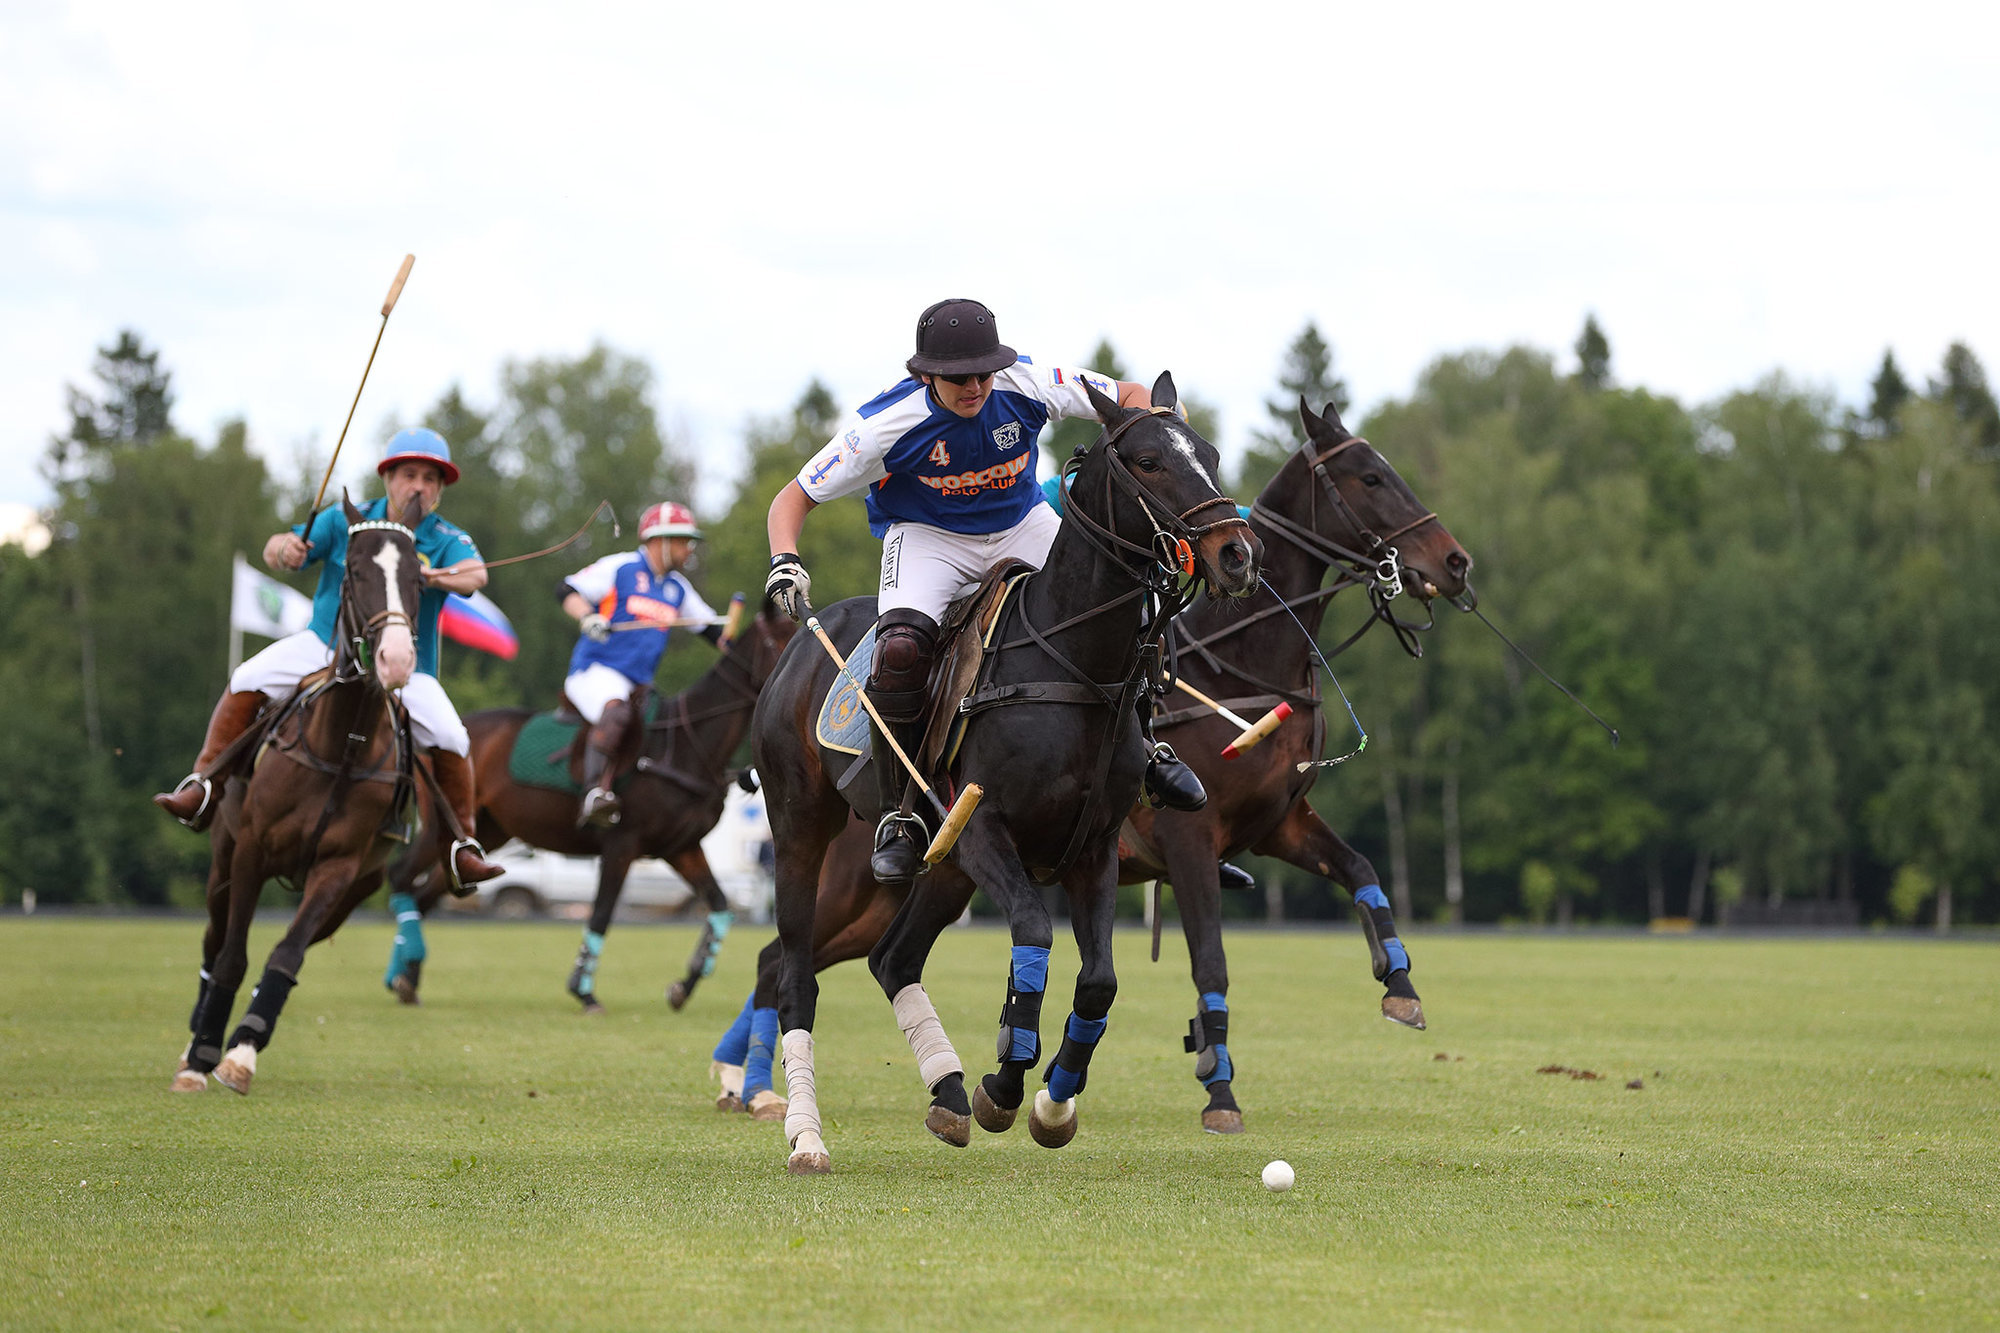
{"x": 1817, "y": 1144}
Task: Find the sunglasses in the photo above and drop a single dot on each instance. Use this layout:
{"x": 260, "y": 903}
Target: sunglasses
{"x": 962, "y": 380}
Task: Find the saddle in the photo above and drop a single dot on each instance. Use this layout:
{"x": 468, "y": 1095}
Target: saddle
{"x": 629, "y": 745}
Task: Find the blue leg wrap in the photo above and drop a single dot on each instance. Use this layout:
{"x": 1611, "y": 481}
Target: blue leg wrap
{"x": 1020, "y": 1020}
{"x": 757, "y": 1060}
{"x": 1071, "y": 1067}
{"x": 1208, "y": 1040}
{"x": 718, "y": 930}
{"x": 585, "y": 981}
{"x": 409, "y": 945}
{"x": 734, "y": 1047}
{"x": 1380, "y": 924}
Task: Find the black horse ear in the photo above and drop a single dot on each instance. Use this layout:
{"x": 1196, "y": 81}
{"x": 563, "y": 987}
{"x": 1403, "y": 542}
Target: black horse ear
{"x": 353, "y": 514}
{"x": 1163, "y": 391}
{"x": 413, "y": 513}
{"x": 1107, "y": 408}
{"x": 1314, "y": 426}
{"x": 1335, "y": 424}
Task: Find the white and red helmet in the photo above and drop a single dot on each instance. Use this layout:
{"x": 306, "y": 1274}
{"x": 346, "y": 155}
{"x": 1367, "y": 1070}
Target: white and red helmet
{"x": 668, "y": 519}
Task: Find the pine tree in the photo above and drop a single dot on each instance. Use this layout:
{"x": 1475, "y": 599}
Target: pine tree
{"x": 1308, "y": 373}
{"x": 1890, "y": 392}
{"x": 1593, "y": 357}
{"x": 1965, "y": 390}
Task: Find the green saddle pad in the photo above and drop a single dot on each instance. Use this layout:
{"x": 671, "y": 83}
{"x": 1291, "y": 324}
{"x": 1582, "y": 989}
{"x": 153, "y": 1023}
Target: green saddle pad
{"x": 541, "y": 752}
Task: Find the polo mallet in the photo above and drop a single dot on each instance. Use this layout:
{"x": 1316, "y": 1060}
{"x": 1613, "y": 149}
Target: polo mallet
{"x": 1253, "y": 732}
{"x": 733, "y": 621}
{"x": 388, "y": 304}
{"x": 954, "y": 819}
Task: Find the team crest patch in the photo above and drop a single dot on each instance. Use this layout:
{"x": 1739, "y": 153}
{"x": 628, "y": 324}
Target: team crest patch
{"x": 853, "y": 441}
{"x": 1008, "y": 436}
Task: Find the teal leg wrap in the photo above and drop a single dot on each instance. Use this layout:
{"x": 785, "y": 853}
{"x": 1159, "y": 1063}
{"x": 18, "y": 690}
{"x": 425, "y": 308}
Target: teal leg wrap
{"x": 583, "y": 978}
{"x": 409, "y": 945}
{"x": 718, "y": 930}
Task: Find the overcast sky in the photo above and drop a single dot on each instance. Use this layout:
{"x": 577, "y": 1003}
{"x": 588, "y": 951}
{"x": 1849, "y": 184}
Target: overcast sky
{"x": 750, "y": 197}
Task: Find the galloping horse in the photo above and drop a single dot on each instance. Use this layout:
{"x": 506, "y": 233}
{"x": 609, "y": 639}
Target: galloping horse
{"x": 675, "y": 798}
{"x": 1336, "y": 504}
{"x": 1067, "y": 661}
{"x": 321, "y": 805}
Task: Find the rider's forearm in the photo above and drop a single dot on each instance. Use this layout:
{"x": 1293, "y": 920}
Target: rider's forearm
{"x": 788, "y": 517}
{"x": 1134, "y": 395}
{"x": 576, "y": 607}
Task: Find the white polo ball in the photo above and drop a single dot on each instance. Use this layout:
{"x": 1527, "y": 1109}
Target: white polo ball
{"x": 1278, "y": 1177}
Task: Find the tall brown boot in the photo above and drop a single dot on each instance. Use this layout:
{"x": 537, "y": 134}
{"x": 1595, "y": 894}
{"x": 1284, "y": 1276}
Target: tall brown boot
{"x": 465, "y": 860}
{"x": 192, "y": 802}
{"x": 600, "y": 756}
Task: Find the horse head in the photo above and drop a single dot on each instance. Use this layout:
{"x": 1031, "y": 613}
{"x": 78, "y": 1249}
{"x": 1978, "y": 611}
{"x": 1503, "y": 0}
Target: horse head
{"x": 1162, "y": 495}
{"x": 1373, "y": 511}
{"x": 380, "y": 591}
{"x": 760, "y": 643}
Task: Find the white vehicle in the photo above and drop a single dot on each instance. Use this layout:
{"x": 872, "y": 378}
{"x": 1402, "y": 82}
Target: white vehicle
{"x": 540, "y": 883}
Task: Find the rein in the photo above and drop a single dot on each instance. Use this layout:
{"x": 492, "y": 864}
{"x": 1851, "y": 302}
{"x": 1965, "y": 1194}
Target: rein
{"x": 743, "y": 691}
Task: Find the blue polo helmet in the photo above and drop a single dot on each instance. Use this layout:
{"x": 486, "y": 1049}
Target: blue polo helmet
{"x": 420, "y": 444}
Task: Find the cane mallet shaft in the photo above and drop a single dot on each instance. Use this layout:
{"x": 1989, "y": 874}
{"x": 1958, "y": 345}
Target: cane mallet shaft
{"x": 1199, "y": 697}
{"x": 954, "y": 819}
{"x": 388, "y": 304}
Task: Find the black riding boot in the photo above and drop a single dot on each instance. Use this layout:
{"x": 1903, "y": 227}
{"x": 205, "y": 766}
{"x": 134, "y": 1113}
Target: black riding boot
{"x": 899, "y": 839}
{"x": 1169, "y": 782}
{"x": 898, "y": 686}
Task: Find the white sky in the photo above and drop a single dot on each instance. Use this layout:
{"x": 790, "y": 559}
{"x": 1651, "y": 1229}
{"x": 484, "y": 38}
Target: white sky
{"x": 751, "y": 196}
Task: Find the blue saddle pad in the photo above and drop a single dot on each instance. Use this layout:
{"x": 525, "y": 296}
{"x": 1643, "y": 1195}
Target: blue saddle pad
{"x": 843, "y": 722}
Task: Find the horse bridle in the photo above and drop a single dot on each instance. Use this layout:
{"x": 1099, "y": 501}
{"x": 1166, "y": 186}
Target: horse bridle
{"x": 1174, "y": 535}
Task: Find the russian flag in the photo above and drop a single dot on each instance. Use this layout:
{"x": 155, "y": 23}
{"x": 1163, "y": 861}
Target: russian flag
{"x": 477, "y": 623}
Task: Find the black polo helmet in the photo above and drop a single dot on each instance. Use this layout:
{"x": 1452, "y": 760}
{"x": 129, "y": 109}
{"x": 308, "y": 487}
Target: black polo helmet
{"x": 959, "y": 337}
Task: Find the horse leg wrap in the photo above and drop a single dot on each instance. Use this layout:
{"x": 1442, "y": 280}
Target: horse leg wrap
{"x": 205, "y": 1050}
{"x": 409, "y": 945}
{"x": 757, "y": 1058}
{"x": 709, "y": 947}
{"x": 915, "y": 1015}
{"x": 1208, "y": 1040}
{"x": 1070, "y": 1070}
{"x": 583, "y": 977}
{"x": 266, "y": 1003}
{"x": 200, "y": 999}
{"x": 802, "y": 1114}
{"x": 1021, "y": 1017}
{"x": 734, "y": 1047}
{"x": 1385, "y": 952}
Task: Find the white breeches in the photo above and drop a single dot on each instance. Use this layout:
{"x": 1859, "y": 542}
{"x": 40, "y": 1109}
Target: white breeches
{"x": 924, "y": 568}
{"x": 277, "y": 671}
{"x": 595, "y": 686}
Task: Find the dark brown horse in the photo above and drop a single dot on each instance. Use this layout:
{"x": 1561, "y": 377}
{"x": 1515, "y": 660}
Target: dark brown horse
{"x": 1336, "y": 505}
{"x": 675, "y": 798}
{"x": 332, "y": 787}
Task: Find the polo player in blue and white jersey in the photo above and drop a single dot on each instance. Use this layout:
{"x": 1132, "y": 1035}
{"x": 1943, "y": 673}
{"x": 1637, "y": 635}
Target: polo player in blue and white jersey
{"x": 626, "y": 604}
{"x": 947, "y": 460}
{"x": 417, "y": 464}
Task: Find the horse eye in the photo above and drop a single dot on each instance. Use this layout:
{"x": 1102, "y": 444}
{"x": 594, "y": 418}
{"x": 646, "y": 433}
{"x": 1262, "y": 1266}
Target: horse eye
{"x": 1148, "y": 464}
{"x": 1371, "y": 479}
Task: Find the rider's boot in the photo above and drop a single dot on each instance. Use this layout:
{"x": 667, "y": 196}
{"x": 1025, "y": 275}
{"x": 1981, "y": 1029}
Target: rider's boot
{"x": 1171, "y": 783}
{"x": 465, "y": 860}
{"x": 192, "y": 802}
{"x": 898, "y": 685}
{"x": 600, "y": 754}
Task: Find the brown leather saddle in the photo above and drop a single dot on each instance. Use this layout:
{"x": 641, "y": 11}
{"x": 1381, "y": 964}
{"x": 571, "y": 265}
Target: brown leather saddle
{"x": 963, "y": 633}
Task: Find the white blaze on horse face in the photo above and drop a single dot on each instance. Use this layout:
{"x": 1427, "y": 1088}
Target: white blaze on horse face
{"x": 1184, "y": 446}
{"x": 396, "y": 655}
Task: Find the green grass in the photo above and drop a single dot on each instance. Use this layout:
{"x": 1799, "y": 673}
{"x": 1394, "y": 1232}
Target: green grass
{"x": 1815, "y": 1144}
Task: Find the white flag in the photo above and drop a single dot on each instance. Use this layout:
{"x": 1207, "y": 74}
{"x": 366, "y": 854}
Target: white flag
{"x": 260, "y": 604}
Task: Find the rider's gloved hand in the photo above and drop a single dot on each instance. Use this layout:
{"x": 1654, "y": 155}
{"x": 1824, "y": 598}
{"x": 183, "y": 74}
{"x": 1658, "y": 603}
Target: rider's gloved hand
{"x": 596, "y": 627}
{"x": 789, "y": 585}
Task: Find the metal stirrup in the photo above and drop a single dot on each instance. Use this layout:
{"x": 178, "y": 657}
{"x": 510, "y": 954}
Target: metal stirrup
{"x": 207, "y": 795}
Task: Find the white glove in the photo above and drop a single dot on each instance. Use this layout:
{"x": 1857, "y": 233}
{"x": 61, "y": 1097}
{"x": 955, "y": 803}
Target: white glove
{"x": 789, "y": 586}
{"x": 595, "y": 627}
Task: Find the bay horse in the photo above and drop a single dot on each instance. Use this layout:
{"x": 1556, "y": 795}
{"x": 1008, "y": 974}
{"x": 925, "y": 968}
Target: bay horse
{"x": 674, "y": 799}
{"x": 1052, "y": 737}
{"x": 320, "y": 805}
{"x": 1336, "y": 505}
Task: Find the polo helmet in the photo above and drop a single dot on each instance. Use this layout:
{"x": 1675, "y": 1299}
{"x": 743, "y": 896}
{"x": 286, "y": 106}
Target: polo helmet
{"x": 420, "y": 444}
{"x": 668, "y": 519}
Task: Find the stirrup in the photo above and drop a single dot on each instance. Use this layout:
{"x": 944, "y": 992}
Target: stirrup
{"x": 600, "y": 809}
{"x": 193, "y": 821}
{"x": 458, "y": 887}
{"x": 892, "y": 826}
{"x": 1164, "y": 796}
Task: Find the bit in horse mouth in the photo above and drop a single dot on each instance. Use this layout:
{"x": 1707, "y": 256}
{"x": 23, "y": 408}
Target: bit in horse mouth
{"x": 1430, "y": 589}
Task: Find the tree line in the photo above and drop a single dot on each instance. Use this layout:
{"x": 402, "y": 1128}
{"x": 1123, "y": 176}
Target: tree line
{"x": 1777, "y": 600}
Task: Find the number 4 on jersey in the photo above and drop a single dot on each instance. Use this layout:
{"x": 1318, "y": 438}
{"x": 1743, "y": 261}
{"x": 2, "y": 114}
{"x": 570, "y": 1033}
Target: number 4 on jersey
{"x": 940, "y": 455}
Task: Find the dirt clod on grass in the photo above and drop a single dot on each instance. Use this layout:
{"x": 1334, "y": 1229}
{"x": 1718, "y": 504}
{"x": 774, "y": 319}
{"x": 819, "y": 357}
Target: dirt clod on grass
{"x": 1587, "y": 1074}
{"x": 1636, "y": 1085}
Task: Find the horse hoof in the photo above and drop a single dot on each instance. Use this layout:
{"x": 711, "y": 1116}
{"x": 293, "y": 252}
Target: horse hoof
{"x": 949, "y": 1126}
{"x": 803, "y": 1163}
{"x": 591, "y": 1008}
{"x": 1222, "y": 1122}
{"x": 190, "y": 1080}
{"x": 677, "y": 994}
{"x": 406, "y": 989}
{"x": 1043, "y": 1124}
{"x": 234, "y": 1076}
{"x": 1405, "y": 1010}
{"x": 768, "y": 1105}
{"x": 728, "y": 1101}
{"x": 992, "y": 1117}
